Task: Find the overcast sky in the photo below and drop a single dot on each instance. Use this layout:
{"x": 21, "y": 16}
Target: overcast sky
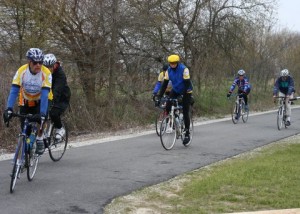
{"x": 289, "y": 14}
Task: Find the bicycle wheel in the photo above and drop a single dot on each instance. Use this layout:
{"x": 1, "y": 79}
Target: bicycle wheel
{"x": 167, "y": 132}
{"x": 245, "y": 113}
{"x": 280, "y": 118}
{"x": 17, "y": 165}
{"x": 191, "y": 130}
{"x": 56, "y": 147}
{"x": 235, "y": 113}
{"x": 31, "y": 162}
{"x": 158, "y": 121}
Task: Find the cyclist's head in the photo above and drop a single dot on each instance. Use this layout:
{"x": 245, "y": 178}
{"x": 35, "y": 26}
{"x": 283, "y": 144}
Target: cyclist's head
{"x": 165, "y": 67}
{"x": 35, "y": 57}
{"x": 241, "y": 72}
{"x": 49, "y": 60}
{"x": 173, "y": 60}
{"x": 284, "y": 73}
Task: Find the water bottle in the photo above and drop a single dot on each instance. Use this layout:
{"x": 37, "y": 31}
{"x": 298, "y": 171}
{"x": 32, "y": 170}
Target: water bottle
{"x": 31, "y": 139}
{"x": 180, "y": 117}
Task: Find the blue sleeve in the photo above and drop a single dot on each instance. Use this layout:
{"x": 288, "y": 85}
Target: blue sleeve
{"x": 291, "y": 86}
{"x": 44, "y": 101}
{"x": 233, "y": 85}
{"x": 157, "y": 87}
{"x": 276, "y": 86}
{"x": 13, "y": 94}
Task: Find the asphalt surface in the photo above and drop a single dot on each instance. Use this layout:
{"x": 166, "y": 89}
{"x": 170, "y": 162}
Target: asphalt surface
{"x": 89, "y": 177}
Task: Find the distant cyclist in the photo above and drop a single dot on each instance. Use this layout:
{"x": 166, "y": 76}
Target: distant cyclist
{"x": 284, "y": 86}
{"x": 243, "y": 85}
{"x": 159, "y": 83}
{"x": 61, "y": 93}
{"x": 179, "y": 74}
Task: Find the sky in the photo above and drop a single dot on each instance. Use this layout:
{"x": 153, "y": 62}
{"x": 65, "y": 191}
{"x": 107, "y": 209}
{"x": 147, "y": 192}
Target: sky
{"x": 289, "y": 14}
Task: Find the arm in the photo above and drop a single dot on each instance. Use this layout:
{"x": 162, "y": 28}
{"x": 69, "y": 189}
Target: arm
{"x": 163, "y": 88}
{"x": 58, "y": 88}
{"x": 232, "y": 87}
{"x": 276, "y": 87}
{"x": 44, "y": 101}
{"x": 291, "y": 87}
{"x": 13, "y": 94}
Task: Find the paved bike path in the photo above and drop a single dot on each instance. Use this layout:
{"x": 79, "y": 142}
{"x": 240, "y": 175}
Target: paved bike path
{"x": 89, "y": 177}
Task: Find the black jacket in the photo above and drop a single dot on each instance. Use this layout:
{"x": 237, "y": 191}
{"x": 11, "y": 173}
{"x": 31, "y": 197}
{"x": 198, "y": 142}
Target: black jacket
{"x": 60, "y": 89}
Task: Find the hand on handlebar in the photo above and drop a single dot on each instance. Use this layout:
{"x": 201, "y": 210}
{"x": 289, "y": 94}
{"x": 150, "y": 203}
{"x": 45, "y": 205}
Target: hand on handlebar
{"x": 7, "y": 115}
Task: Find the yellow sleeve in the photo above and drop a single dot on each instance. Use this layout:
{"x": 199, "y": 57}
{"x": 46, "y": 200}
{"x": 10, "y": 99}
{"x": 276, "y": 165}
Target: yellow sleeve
{"x": 161, "y": 76}
{"x": 166, "y": 76}
{"x": 18, "y": 75}
{"x": 47, "y": 77}
{"x": 186, "y": 74}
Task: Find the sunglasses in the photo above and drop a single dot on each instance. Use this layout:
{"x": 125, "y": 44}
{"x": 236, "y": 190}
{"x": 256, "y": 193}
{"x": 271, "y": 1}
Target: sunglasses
{"x": 38, "y": 62}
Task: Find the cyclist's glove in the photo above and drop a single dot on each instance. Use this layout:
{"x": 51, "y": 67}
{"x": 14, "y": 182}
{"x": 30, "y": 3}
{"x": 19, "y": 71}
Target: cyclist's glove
{"x": 7, "y": 115}
{"x": 229, "y": 94}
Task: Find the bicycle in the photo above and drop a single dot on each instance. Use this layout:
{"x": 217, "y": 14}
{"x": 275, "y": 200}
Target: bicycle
{"x": 55, "y": 147}
{"x": 25, "y": 156}
{"x": 172, "y": 126}
{"x": 239, "y": 110}
{"x": 281, "y": 113}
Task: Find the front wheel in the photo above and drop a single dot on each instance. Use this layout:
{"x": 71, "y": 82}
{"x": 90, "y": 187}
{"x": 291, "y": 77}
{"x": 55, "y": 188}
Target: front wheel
{"x": 168, "y": 132}
{"x": 57, "y": 147}
{"x": 280, "y": 118}
{"x": 17, "y": 165}
{"x": 235, "y": 113}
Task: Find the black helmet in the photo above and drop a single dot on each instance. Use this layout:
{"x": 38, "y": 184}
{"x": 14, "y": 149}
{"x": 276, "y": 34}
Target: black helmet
{"x": 165, "y": 67}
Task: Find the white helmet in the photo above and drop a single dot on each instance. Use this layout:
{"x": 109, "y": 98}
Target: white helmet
{"x": 241, "y": 72}
{"x": 49, "y": 60}
{"x": 284, "y": 73}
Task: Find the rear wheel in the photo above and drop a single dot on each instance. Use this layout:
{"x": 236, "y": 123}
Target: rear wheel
{"x": 280, "y": 118}
{"x": 167, "y": 132}
{"x": 57, "y": 148}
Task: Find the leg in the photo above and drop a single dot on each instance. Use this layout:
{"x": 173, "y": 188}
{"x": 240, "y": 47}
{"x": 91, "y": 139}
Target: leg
{"x": 186, "y": 115}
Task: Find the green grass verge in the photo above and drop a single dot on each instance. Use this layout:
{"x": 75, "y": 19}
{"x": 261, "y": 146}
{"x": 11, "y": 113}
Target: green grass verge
{"x": 264, "y": 179}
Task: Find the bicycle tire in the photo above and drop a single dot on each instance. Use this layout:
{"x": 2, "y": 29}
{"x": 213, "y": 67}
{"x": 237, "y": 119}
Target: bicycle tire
{"x": 57, "y": 148}
{"x": 245, "y": 113}
{"x": 31, "y": 163}
{"x": 234, "y": 114}
{"x": 158, "y": 121}
{"x": 191, "y": 129}
{"x": 280, "y": 118}
{"x": 17, "y": 165}
{"x": 168, "y": 133}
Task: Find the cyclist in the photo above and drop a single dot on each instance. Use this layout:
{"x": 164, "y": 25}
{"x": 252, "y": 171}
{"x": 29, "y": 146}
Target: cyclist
{"x": 179, "y": 74}
{"x": 158, "y": 84}
{"x": 284, "y": 86}
{"x": 244, "y": 88}
{"x": 32, "y": 82}
{"x": 61, "y": 93}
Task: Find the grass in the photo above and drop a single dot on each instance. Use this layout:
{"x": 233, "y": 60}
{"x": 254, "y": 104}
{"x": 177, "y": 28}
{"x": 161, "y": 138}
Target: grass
{"x": 264, "y": 179}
